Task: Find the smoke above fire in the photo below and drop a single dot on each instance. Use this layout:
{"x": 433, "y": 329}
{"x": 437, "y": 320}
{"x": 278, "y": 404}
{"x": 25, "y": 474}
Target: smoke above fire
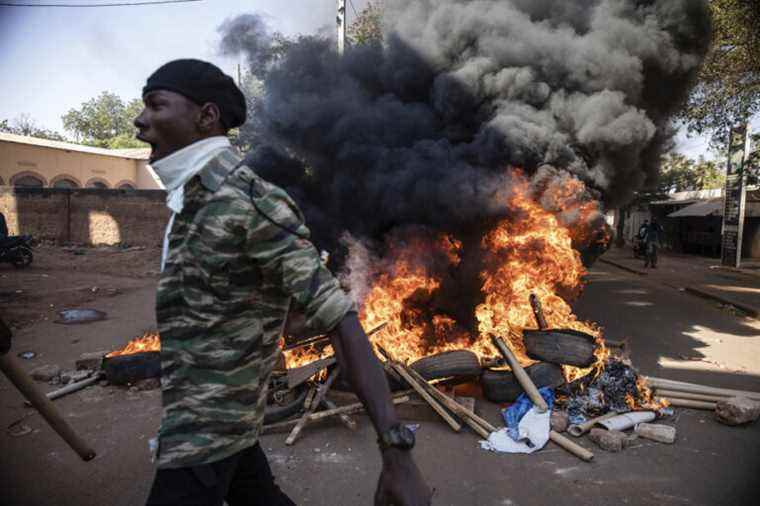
{"x": 468, "y": 121}
{"x": 423, "y": 127}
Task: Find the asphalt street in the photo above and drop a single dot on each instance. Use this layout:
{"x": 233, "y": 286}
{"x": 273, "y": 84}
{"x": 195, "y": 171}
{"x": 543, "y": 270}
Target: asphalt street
{"x": 671, "y": 334}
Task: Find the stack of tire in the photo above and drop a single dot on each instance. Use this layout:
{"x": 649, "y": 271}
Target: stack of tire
{"x": 553, "y": 348}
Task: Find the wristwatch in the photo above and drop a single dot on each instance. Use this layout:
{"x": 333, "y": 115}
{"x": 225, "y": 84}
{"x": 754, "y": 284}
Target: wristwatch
{"x": 399, "y": 436}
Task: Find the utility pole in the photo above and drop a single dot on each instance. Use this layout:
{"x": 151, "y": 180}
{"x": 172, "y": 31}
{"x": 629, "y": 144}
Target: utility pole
{"x": 735, "y": 196}
{"x": 341, "y": 20}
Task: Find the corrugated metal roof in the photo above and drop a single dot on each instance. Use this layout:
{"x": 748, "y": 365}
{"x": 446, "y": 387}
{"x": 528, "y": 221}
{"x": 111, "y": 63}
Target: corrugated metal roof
{"x": 713, "y": 207}
{"x": 132, "y": 154}
{"x": 702, "y": 208}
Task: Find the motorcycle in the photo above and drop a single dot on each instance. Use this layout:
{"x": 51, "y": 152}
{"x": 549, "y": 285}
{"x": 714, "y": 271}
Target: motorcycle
{"x": 639, "y": 248}
{"x": 17, "y": 250}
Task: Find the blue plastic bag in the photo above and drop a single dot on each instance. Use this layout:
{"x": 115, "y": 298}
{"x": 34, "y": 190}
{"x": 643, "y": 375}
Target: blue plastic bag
{"x": 514, "y": 413}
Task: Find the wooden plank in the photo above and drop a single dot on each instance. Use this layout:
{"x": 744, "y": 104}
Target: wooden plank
{"x": 316, "y": 402}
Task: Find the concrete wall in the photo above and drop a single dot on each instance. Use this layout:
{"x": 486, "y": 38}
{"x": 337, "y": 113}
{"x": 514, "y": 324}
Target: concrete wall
{"x": 89, "y": 216}
{"x": 147, "y": 179}
{"x": 52, "y": 164}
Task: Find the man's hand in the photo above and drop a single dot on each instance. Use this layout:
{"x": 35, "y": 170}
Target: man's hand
{"x": 401, "y": 483}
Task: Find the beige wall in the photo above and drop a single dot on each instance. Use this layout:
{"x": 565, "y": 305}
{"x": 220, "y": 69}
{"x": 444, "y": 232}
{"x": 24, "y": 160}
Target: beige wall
{"x": 146, "y": 178}
{"x": 86, "y": 216}
{"x": 53, "y": 163}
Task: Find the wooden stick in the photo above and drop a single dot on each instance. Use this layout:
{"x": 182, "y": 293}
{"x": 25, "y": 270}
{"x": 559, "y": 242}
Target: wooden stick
{"x": 570, "y": 446}
{"x": 580, "y": 429}
{"x": 349, "y": 409}
{"x": 349, "y": 422}
{"x": 309, "y": 398}
{"x": 455, "y": 426}
{"x": 688, "y": 403}
{"x": 693, "y": 388}
{"x": 538, "y": 311}
{"x": 530, "y": 388}
{"x": 314, "y": 403}
{"x": 21, "y": 380}
{"x": 522, "y": 377}
{"x": 476, "y": 423}
{"x": 687, "y": 395}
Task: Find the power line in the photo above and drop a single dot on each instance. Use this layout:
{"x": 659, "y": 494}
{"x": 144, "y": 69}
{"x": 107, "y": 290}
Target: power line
{"x": 118, "y": 4}
{"x": 353, "y": 8}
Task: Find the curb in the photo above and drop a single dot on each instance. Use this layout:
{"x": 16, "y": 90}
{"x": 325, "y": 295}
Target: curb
{"x": 750, "y": 310}
{"x": 624, "y": 267}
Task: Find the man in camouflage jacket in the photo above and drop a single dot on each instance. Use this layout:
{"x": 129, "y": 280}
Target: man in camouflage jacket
{"x": 236, "y": 252}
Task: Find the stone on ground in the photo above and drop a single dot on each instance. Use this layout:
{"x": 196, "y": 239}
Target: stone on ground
{"x": 656, "y": 432}
{"x": 559, "y": 421}
{"x": 91, "y": 360}
{"x": 45, "y": 372}
{"x": 737, "y": 411}
{"x": 611, "y": 440}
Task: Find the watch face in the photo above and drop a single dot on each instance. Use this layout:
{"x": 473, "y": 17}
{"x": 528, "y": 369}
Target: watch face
{"x": 406, "y": 436}
{"x": 398, "y": 437}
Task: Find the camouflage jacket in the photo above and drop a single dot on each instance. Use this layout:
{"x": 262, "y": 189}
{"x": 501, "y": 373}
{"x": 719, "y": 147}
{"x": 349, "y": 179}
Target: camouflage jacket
{"x": 221, "y": 303}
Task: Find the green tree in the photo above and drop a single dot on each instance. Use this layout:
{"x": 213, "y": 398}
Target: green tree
{"x": 728, "y": 88}
{"x": 367, "y": 27}
{"x": 24, "y": 124}
{"x": 105, "y": 121}
{"x": 679, "y": 173}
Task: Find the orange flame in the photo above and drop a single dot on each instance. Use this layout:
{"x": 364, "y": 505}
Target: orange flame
{"x": 149, "y": 341}
{"x": 529, "y": 252}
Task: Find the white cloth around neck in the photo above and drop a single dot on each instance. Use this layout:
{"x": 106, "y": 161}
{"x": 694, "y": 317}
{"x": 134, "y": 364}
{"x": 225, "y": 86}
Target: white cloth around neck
{"x": 177, "y": 169}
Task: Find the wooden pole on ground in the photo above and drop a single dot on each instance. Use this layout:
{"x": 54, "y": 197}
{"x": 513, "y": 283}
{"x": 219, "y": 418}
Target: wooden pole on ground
{"x": 313, "y": 407}
{"x": 356, "y": 407}
{"x": 693, "y": 388}
{"x": 476, "y": 423}
{"x": 422, "y": 392}
{"x": 689, "y": 403}
{"x": 530, "y": 388}
{"x": 522, "y": 377}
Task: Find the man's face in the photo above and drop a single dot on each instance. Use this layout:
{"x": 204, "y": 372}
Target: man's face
{"x": 169, "y": 122}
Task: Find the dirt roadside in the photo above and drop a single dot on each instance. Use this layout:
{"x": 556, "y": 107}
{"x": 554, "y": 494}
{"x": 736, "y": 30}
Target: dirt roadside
{"x": 70, "y": 277}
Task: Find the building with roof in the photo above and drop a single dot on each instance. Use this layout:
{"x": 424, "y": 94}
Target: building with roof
{"x": 693, "y": 221}
{"x": 32, "y": 162}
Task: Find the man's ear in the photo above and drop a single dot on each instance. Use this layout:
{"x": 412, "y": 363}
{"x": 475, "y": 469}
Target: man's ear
{"x": 209, "y": 117}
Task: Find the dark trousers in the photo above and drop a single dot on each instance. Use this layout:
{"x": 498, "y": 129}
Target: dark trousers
{"x": 244, "y": 479}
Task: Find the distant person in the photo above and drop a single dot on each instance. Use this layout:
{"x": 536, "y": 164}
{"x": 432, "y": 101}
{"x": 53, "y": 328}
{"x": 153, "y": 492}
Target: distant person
{"x": 643, "y": 230}
{"x": 639, "y": 246}
{"x": 3, "y": 227}
{"x": 652, "y": 243}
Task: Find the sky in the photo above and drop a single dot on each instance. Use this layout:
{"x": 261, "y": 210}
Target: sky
{"x": 54, "y": 59}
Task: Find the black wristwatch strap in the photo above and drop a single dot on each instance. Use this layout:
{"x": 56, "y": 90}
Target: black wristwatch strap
{"x": 399, "y": 436}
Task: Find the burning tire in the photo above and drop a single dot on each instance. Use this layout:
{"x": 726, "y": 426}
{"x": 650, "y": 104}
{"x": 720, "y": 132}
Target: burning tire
{"x": 127, "y": 369}
{"x": 560, "y": 346}
{"x": 447, "y": 364}
{"x": 502, "y": 386}
{"x": 284, "y": 405}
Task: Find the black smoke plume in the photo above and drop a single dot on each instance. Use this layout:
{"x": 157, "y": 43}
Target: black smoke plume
{"x": 423, "y": 127}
